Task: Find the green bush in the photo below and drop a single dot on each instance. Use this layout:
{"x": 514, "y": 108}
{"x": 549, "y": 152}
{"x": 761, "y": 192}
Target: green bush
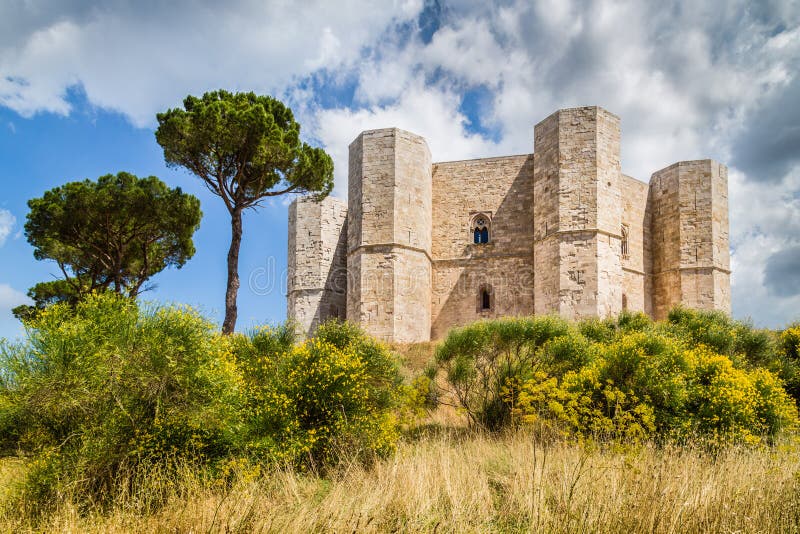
{"x": 485, "y": 362}
{"x": 329, "y": 397}
{"x": 790, "y": 352}
{"x": 102, "y": 387}
{"x": 625, "y": 378}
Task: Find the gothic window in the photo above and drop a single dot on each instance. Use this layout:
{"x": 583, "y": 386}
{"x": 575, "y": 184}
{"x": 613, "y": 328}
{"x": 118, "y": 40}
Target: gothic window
{"x": 480, "y": 228}
{"x": 624, "y": 241}
{"x": 486, "y": 300}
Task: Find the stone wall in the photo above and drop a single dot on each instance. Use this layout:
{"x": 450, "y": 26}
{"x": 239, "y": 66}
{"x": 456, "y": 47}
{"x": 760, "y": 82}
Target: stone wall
{"x": 546, "y": 238}
{"x": 637, "y": 264}
{"x": 317, "y": 267}
{"x": 501, "y": 190}
{"x": 389, "y": 242}
{"x": 576, "y": 174}
{"x": 689, "y": 227}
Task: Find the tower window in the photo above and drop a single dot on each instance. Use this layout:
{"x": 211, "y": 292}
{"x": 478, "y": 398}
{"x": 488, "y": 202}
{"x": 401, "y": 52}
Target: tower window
{"x": 480, "y": 229}
{"x": 624, "y": 241}
{"x": 485, "y": 299}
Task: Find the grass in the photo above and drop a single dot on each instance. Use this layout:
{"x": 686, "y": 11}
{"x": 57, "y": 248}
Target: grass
{"x": 460, "y": 481}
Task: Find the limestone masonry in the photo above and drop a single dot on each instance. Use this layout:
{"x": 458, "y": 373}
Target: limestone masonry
{"x": 421, "y": 247}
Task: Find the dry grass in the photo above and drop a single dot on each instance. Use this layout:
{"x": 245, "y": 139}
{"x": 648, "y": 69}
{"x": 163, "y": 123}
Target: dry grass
{"x": 463, "y": 482}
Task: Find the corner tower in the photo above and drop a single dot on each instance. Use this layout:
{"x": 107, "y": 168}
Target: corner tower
{"x": 317, "y": 274}
{"x": 389, "y": 235}
{"x": 689, "y": 228}
{"x": 577, "y": 214}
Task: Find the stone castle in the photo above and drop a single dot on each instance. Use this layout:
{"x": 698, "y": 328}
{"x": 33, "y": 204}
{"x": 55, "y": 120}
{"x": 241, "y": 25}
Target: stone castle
{"x": 421, "y": 247}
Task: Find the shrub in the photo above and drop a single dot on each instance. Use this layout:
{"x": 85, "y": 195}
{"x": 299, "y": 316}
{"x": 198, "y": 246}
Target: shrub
{"x": 102, "y": 387}
{"x": 790, "y": 351}
{"x": 627, "y": 378}
{"x": 332, "y": 395}
{"x": 646, "y": 385}
{"x": 485, "y": 362}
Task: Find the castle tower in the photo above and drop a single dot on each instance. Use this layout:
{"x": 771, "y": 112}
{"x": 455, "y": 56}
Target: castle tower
{"x": 317, "y": 274}
{"x": 389, "y": 235}
{"x": 577, "y": 214}
{"x": 689, "y": 228}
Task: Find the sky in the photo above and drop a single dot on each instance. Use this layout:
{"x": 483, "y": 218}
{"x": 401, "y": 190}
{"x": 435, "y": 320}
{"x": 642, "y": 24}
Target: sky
{"x": 81, "y": 83}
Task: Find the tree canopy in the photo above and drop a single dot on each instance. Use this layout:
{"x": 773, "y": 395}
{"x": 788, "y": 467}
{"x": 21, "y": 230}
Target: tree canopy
{"x": 113, "y": 234}
{"x": 245, "y": 148}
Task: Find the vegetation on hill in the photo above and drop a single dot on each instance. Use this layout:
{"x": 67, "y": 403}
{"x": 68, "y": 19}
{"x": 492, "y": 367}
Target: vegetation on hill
{"x": 111, "y": 409}
{"x": 698, "y": 375}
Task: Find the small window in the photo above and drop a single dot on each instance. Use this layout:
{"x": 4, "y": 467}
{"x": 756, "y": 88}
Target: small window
{"x": 624, "y": 241}
{"x": 480, "y": 228}
{"x": 486, "y": 300}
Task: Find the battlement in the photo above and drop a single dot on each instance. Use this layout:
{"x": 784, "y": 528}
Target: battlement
{"x": 422, "y": 247}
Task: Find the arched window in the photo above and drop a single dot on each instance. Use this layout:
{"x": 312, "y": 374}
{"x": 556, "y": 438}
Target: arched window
{"x": 480, "y": 228}
{"x": 624, "y": 241}
{"x": 486, "y": 300}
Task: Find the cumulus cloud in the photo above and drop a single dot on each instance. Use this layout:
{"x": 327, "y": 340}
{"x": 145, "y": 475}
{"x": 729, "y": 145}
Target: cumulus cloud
{"x": 429, "y": 112}
{"x": 769, "y": 144}
{"x": 7, "y": 223}
{"x": 137, "y": 58}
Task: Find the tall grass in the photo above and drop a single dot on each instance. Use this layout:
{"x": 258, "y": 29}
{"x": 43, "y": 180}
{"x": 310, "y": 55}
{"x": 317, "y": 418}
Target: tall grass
{"x": 468, "y": 482}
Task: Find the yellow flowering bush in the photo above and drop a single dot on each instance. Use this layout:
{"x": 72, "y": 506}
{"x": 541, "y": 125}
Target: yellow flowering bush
{"x": 790, "y": 341}
{"x": 330, "y": 396}
{"x": 699, "y": 374}
{"x": 646, "y": 385}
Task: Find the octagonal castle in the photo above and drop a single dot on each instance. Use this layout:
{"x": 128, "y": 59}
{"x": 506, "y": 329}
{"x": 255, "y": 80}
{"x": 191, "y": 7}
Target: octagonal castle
{"x": 421, "y": 247}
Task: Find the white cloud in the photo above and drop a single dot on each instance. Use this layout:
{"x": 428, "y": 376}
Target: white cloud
{"x": 429, "y": 112}
{"x": 769, "y": 223}
{"x": 139, "y": 61}
{"x": 10, "y": 298}
{"x": 7, "y": 222}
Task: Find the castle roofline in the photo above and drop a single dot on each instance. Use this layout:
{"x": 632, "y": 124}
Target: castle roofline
{"x": 392, "y": 129}
{"x": 581, "y": 108}
{"x": 688, "y": 162}
{"x": 493, "y": 158}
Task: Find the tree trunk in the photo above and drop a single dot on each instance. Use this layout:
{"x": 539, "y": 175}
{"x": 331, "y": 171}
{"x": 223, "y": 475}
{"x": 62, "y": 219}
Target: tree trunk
{"x": 229, "y": 325}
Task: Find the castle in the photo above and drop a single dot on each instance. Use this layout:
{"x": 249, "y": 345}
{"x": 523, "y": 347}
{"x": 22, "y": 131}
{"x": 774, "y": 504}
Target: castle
{"x": 421, "y": 247}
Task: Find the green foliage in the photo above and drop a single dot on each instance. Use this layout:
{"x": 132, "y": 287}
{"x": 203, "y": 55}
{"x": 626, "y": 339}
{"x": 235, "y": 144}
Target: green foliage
{"x": 115, "y": 234}
{"x": 790, "y": 351}
{"x": 101, "y": 387}
{"x": 331, "y": 395}
{"x": 245, "y": 148}
{"x": 627, "y": 378}
{"x": 105, "y": 389}
{"x": 483, "y": 360}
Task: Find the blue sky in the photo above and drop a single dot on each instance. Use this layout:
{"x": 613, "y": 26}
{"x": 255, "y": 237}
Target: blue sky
{"x": 81, "y": 82}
